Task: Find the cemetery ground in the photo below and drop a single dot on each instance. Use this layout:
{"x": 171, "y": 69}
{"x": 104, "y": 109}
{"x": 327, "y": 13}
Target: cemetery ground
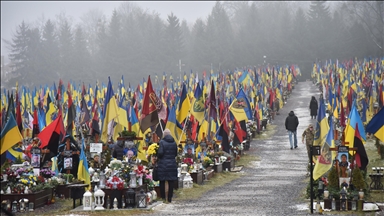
{"x": 273, "y": 180}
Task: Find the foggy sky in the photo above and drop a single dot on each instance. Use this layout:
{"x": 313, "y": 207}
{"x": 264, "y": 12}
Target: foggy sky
{"x": 14, "y": 12}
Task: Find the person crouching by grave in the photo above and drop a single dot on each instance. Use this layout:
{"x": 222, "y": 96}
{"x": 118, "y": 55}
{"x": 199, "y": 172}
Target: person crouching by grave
{"x": 95, "y": 163}
{"x": 190, "y": 154}
{"x": 167, "y": 166}
{"x": 291, "y": 123}
{"x": 68, "y": 158}
{"x": 309, "y": 136}
{"x": 118, "y": 151}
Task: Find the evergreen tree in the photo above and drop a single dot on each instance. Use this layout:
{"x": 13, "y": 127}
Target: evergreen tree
{"x": 199, "y": 51}
{"x": 81, "y": 57}
{"x": 173, "y": 42}
{"x": 319, "y": 23}
{"x": 19, "y": 48}
{"x": 66, "y": 50}
{"x": 50, "y": 51}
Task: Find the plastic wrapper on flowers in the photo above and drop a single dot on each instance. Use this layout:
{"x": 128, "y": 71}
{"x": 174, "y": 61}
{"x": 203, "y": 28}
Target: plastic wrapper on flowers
{"x": 116, "y": 164}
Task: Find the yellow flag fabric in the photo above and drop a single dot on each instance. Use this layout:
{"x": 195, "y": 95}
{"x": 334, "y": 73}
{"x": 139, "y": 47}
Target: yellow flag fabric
{"x": 238, "y": 111}
{"x": 10, "y": 135}
{"x": 111, "y": 112}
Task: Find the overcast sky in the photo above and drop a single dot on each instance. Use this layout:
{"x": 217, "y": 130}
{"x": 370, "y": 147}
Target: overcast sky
{"x": 14, "y": 12}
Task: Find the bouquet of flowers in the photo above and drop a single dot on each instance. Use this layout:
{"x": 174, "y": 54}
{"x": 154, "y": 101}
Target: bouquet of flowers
{"x": 115, "y": 183}
{"x": 188, "y": 161}
{"x": 140, "y": 171}
{"x": 47, "y": 173}
{"x": 28, "y": 180}
{"x": 12, "y": 176}
{"x": 207, "y": 162}
{"x": 152, "y": 149}
{"x": 115, "y": 164}
{"x": 223, "y": 159}
{"x": 124, "y": 173}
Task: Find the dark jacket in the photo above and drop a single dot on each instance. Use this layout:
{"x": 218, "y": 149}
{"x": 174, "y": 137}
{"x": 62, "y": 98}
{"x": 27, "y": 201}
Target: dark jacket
{"x": 167, "y": 167}
{"x": 118, "y": 151}
{"x": 291, "y": 122}
{"x": 313, "y": 106}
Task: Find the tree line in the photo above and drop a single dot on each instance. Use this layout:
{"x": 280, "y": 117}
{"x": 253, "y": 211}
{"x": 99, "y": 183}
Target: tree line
{"x": 136, "y": 43}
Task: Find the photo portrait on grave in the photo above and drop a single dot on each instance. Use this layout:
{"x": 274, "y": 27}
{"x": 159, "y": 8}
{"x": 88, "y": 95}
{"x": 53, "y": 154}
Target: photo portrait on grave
{"x": 35, "y": 162}
{"x": 67, "y": 163}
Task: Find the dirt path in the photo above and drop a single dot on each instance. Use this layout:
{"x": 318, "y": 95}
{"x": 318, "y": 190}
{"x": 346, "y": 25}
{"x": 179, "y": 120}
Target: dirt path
{"x": 273, "y": 185}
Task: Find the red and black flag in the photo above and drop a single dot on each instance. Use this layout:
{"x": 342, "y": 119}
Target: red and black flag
{"x": 223, "y": 132}
{"x": 71, "y": 114}
{"x": 35, "y": 123}
{"x": 52, "y": 135}
{"x": 149, "y": 115}
{"x": 361, "y": 156}
{"x": 18, "y": 113}
{"x": 212, "y": 103}
{"x": 240, "y": 132}
{"x": 85, "y": 117}
{"x": 95, "y": 128}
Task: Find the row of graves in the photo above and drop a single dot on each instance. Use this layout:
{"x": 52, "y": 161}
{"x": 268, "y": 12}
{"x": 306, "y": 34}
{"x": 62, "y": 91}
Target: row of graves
{"x": 118, "y": 183}
{"x": 114, "y": 184}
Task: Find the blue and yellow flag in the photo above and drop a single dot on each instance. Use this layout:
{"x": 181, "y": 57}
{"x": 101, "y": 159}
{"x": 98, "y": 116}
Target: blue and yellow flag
{"x": 322, "y": 126}
{"x": 172, "y": 125}
{"x": 184, "y": 105}
{"x": 324, "y": 161}
{"x": 82, "y": 171}
{"x": 240, "y": 107}
{"x": 110, "y": 111}
{"x": 198, "y": 109}
{"x": 376, "y": 125}
{"x": 353, "y": 120}
{"x": 10, "y": 135}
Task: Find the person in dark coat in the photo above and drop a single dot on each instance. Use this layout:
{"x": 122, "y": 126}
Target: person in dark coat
{"x": 313, "y": 106}
{"x": 167, "y": 167}
{"x": 291, "y": 123}
{"x": 118, "y": 151}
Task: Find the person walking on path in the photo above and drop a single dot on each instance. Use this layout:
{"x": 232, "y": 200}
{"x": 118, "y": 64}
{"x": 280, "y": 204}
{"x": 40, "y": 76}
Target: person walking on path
{"x": 313, "y": 106}
{"x": 291, "y": 123}
{"x": 309, "y": 136}
{"x": 167, "y": 167}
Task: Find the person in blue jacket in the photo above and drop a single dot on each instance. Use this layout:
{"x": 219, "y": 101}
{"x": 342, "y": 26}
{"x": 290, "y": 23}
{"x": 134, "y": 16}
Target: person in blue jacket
{"x": 167, "y": 167}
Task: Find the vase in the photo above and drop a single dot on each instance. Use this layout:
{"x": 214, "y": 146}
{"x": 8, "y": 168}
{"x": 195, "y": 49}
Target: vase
{"x": 140, "y": 180}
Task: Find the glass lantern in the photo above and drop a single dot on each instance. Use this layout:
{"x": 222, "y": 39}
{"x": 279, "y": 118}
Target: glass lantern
{"x": 102, "y": 180}
{"x": 99, "y": 199}
{"x": 130, "y": 196}
{"x": 132, "y": 181}
{"x": 87, "y": 201}
{"x": 361, "y": 194}
{"x": 141, "y": 199}
{"x": 343, "y": 199}
{"x": 14, "y": 206}
{"x": 115, "y": 204}
{"x": 22, "y": 205}
{"x": 326, "y": 194}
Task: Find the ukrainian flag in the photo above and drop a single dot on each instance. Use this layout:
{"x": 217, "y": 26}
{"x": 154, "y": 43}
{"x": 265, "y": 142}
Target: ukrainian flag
{"x": 110, "y": 111}
{"x": 353, "y": 119}
{"x": 322, "y": 126}
{"x": 324, "y": 161}
{"x": 198, "y": 109}
{"x": 10, "y": 135}
{"x": 376, "y": 125}
{"x": 184, "y": 105}
{"x": 82, "y": 171}
{"x": 172, "y": 125}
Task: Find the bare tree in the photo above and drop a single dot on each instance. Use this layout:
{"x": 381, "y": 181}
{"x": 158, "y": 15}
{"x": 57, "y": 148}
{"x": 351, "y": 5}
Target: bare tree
{"x": 371, "y": 15}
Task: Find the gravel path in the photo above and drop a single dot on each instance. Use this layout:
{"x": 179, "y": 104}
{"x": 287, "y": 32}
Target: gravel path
{"x": 274, "y": 185}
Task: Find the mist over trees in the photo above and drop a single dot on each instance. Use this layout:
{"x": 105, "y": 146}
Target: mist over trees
{"x": 136, "y": 43}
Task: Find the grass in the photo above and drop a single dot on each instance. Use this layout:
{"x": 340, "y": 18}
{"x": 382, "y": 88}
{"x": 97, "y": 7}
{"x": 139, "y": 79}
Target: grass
{"x": 219, "y": 179}
{"x": 267, "y": 133}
